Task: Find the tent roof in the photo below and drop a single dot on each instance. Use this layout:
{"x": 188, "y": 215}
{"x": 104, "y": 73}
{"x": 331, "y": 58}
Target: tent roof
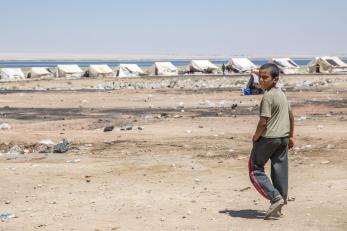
{"x": 243, "y": 63}
{"x": 13, "y": 72}
{"x": 40, "y": 70}
{"x": 103, "y": 68}
{"x": 285, "y": 62}
{"x": 72, "y": 68}
{"x": 204, "y": 64}
{"x": 165, "y": 65}
{"x": 335, "y": 59}
{"x": 134, "y": 68}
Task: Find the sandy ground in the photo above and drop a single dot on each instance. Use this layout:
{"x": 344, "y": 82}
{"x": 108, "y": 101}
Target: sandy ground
{"x": 185, "y": 170}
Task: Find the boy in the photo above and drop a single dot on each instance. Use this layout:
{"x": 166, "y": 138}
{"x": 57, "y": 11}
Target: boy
{"x": 271, "y": 140}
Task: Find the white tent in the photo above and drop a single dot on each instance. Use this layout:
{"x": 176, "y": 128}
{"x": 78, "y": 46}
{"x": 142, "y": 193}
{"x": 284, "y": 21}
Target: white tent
{"x": 11, "y": 74}
{"x": 129, "y": 70}
{"x": 241, "y": 65}
{"x": 203, "y": 66}
{"x": 38, "y": 72}
{"x": 100, "y": 70}
{"x": 327, "y": 64}
{"x": 69, "y": 71}
{"x": 287, "y": 65}
{"x": 164, "y": 69}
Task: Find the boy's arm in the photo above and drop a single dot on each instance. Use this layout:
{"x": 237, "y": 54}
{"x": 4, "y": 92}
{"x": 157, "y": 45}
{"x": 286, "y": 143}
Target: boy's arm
{"x": 261, "y": 127}
{"x": 291, "y": 132}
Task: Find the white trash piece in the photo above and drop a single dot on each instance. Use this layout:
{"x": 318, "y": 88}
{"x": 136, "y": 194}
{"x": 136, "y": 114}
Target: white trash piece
{"x": 5, "y": 126}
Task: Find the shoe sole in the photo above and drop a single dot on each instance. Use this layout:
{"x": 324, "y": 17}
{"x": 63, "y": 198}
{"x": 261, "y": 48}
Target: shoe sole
{"x": 274, "y": 210}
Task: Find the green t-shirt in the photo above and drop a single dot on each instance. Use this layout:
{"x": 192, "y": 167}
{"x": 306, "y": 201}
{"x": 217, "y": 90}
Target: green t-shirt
{"x": 275, "y": 106}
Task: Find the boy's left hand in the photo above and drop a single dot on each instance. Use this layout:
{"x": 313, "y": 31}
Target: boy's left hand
{"x": 291, "y": 143}
{"x": 255, "y": 138}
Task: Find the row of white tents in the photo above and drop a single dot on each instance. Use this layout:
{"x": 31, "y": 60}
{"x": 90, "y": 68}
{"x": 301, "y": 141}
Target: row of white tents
{"x": 124, "y": 70}
{"x": 325, "y": 64}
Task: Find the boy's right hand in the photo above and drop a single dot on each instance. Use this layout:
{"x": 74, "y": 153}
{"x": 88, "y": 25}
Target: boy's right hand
{"x": 291, "y": 143}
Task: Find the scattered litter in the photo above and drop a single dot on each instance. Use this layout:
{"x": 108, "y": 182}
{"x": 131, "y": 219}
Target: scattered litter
{"x": 189, "y": 131}
{"x": 245, "y": 189}
{"x": 108, "y": 128}
{"x": 320, "y": 127}
{"x": 325, "y": 162}
{"x": 234, "y": 106}
{"x": 302, "y": 118}
{"x": 308, "y": 146}
{"x": 177, "y": 116}
{"x": 148, "y": 117}
{"x": 15, "y": 150}
{"x": 330, "y": 146}
{"x": 88, "y": 145}
{"x": 222, "y": 103}
{"x": 197, "y": 180}
{"x": 47, "y": 142}
{"x": 140, "y": 128}
{"x": 208, "y": 103}
{"x": 73, "y": 161}
{"x": 62, "y": 147}
{"x": 6, "y": 216}
{"x": 180, "y": 105}
{"x": 291, "y": 198}
{"x": 127, "y": 127}
{"x": 5, "y": 126}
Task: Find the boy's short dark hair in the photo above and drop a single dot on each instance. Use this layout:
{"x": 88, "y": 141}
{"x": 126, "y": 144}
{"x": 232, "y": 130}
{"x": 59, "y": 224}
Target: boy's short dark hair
{"x": 274, "y": 70}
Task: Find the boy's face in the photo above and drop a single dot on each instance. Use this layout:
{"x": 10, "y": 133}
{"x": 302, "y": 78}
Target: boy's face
{"x": 266, "y": 80}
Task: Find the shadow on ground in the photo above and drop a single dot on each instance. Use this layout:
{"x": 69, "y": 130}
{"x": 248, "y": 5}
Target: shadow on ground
{"x": 245, "y": 213}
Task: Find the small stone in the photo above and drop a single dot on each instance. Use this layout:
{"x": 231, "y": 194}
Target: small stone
{"x": 126, "y": 127}
{"x": 330, "y": 146}
{"x": 108, "y": 128}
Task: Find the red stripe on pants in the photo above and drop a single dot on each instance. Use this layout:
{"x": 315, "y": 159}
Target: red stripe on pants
{"x": 254, "y": 180}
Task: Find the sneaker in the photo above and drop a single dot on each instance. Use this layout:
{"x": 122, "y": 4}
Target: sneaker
{"x": 274, "y": 209}
{"x": 278, "y": 214}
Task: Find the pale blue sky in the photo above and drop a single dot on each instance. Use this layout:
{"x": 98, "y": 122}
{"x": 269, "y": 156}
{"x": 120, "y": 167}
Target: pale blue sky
{"x": 176, "y": 27}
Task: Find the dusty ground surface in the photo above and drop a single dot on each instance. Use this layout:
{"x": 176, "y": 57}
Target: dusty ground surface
{"x": 185, "y": 170}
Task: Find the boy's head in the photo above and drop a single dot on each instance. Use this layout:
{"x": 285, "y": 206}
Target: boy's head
{"x": 268, "y": 75}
